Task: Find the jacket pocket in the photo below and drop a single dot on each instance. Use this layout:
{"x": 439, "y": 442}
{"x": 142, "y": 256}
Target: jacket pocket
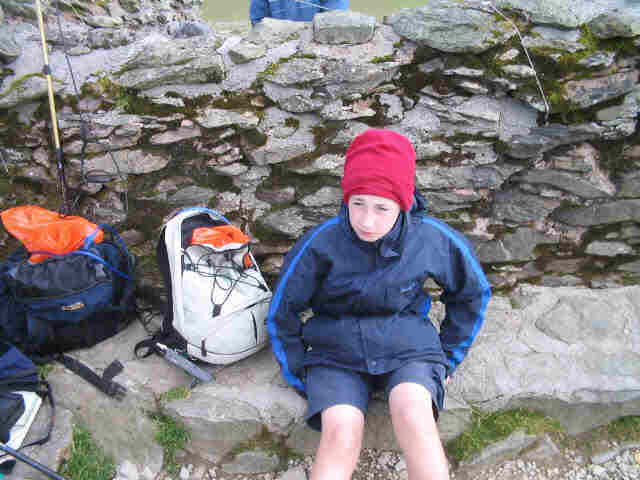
{"x": 329, "y": 334}
{"x": 408, "y": 296}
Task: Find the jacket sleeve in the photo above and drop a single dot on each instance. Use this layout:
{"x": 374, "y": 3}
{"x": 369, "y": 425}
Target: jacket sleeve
{"x": 337, "y": 4}
{"x": 466, "y": 295}
{"x": 296, "y": 286}
{"x": 258, "y": 9}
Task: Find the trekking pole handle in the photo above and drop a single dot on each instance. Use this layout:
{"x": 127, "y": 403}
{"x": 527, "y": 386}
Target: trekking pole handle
{"x": 188, "y": 366}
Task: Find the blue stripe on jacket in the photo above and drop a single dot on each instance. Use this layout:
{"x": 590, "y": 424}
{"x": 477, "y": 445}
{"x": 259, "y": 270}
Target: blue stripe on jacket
{"x": 458, "y": 352}
{"x": 272, "y": 329}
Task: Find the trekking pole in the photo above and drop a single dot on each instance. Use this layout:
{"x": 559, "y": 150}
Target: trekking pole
{"x": 31, "y": 462}
{"x": 187, "y": 365}
{"x": 52, "y": 109}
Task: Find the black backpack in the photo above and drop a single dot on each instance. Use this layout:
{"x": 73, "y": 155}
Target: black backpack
{"x": 68, "y": 302}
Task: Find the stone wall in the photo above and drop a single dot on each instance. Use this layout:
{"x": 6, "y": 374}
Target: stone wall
{"x": 524, "y": 116}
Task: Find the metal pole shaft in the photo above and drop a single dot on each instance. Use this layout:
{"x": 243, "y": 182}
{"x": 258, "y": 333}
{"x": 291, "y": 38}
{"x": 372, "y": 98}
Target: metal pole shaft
{"x": 52, "y": 107}
{"x": 29, "y": 461}
{"x": 45, "y": 54}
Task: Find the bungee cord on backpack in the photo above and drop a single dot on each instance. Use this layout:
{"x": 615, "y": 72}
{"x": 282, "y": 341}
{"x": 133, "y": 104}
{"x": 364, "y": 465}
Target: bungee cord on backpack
{"x": 226, "y": 277}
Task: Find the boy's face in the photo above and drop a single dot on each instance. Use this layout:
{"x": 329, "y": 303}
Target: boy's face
{"x": 371, "y": 216}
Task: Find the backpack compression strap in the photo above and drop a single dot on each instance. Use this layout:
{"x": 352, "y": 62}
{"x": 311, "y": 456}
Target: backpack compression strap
{"x": 104, "y": 383}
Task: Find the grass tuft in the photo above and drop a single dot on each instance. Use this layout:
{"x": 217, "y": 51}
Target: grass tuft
{"x": 87, "y": 460}
{"x": 45, "y": 370}
{"x": 625, "y": 429}
{"x": 172, "y": 436}
{"x": 175, "y": 393}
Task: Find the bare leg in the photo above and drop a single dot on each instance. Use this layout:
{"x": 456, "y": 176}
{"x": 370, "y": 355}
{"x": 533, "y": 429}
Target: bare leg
{"x": 340, "y": 443}
{"x": 417, "y": 433}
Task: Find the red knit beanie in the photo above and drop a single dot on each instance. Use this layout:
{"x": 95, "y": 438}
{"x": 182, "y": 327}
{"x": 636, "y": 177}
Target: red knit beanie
{"x": 383, "y": 163}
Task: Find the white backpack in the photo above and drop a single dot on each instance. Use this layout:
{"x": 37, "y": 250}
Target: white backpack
{"x": 218, "y": 299}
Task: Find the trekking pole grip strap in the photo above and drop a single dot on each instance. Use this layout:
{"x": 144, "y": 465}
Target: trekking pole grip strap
{"x": 109, "y": 387}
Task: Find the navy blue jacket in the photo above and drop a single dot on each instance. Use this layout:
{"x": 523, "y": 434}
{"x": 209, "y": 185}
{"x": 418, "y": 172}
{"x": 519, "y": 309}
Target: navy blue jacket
{"x": 370, "y": 312}
{"x": 297, "y": 10}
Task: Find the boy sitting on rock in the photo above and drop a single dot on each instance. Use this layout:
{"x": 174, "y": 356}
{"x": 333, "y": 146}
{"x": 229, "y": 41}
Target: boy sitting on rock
{"x": 362, "y": 274}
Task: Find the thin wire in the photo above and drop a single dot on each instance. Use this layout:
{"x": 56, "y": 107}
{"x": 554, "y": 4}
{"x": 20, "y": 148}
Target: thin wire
{"x": 515, "y": 27}
{"x": 313, "y": 4}
{"x": 91, "y": 176}
{"x": 539, "y": 84}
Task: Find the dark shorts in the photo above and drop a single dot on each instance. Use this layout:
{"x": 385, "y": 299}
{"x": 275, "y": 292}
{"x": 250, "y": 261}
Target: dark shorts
{"x": 329, "y": 386}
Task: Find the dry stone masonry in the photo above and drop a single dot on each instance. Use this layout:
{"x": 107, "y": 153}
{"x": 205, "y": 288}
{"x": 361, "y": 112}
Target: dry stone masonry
{"x": 537, "y": 162}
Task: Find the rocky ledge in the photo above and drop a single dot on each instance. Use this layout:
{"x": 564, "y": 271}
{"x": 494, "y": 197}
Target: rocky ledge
{"x": 572, "y": 353}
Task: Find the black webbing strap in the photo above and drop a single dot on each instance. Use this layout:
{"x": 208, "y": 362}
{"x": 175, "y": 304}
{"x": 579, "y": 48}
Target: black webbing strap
{"x": 103, "y": 383}
{"x": 146, "y": 347}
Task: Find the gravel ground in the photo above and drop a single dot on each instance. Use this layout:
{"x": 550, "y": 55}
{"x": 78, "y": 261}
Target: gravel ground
{"x": 622, "y": 464}
{"x": 616, "y": 462}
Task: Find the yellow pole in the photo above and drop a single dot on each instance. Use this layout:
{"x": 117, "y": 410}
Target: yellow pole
{"x": 52, "y": 107}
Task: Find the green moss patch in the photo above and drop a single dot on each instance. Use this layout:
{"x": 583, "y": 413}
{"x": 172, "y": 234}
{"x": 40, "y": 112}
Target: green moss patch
{"x": 488, "y": 428}
{"x": 17, "y": 84}
{"x": 622, "y": 430}
{"x": 270, "y": 443}
{"x": 625, "y": 429}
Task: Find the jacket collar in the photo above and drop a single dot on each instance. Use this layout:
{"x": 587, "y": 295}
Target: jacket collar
{"x": 388, "y": 246}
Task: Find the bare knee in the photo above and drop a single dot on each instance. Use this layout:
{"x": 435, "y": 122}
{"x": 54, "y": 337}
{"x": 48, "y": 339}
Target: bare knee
{"x": 410, "y": 406}
{"x": 343, "y": 430}
{"x": 341, "y": 438}
{"x": 416, "y": 431}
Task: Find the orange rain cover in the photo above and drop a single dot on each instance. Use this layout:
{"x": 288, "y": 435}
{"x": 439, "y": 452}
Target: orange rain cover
{"x": 218, "y": 236}
{"x": 40, "y": 229}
